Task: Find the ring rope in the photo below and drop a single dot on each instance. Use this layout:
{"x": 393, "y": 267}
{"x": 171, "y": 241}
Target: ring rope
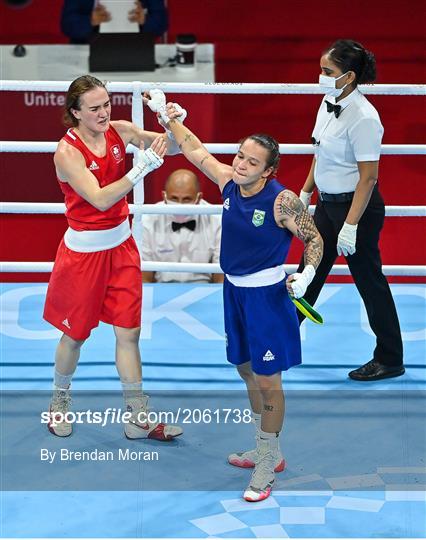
{"x": 150, "y": 266}
{"x": 214, "y": 148}
{"x": 217, "y": 88}
{"x": 59, "y": 208}
{"x": 206, "y": 88}
{"x": 187, "y": 209}
{"x": 211, "y": 268}
{"x": 177, "y": 209}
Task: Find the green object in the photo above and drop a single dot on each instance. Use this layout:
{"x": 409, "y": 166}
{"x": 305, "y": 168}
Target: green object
{"x": 307, "y": 310}
{"x": 258, "y": 217}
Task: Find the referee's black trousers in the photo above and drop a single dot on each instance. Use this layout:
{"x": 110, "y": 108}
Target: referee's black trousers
{"x": 366, "y": 268}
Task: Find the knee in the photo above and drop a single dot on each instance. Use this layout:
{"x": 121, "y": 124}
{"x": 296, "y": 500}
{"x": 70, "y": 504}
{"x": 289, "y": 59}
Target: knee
{"x": 268, "y": 385}
{"x": 127, "y": 336}
{"x": 246, "y": 373}
{"x": 70, "y": 343}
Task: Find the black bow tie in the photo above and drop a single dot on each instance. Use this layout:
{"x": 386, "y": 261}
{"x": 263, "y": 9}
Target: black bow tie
{"x": 337, "y": 109}
{"x": 188, "y": 224}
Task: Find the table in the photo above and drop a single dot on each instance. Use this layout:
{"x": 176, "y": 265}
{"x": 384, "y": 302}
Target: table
{"x": 67, "y": 62}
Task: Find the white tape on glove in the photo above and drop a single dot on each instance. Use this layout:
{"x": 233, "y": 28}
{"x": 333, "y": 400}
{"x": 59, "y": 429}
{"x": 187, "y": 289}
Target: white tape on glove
{"x": 183, "y": 112}
{"x": 148, "y": 161}
{"x": 302, "y": 280}
{"x": 157, "y": 104}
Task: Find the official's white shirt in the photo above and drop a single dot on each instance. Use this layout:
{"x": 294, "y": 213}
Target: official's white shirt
{"x": 161, "y": 243}
{"x": 355, "y": 136}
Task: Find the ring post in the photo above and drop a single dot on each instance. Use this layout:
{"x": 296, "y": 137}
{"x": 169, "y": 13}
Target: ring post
{"x": 138, "y": 191}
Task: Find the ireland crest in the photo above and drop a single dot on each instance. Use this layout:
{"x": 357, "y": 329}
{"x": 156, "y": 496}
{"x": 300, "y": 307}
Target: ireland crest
{"x": 258, "y": 218}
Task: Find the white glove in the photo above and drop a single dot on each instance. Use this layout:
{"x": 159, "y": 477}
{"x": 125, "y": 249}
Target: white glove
{"x": 301, "y": 281}
{"x": 305, "y": 197}
{"x": 148, "y": 161}
{"x": 173, "y": 147}
{"x": 346, "y": 240}
{"x": 157, "y": 103}
{"x": 183, "y": 112}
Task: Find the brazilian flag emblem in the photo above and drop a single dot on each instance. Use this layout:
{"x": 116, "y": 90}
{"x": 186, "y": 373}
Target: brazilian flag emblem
{"x": 258, "y": 218}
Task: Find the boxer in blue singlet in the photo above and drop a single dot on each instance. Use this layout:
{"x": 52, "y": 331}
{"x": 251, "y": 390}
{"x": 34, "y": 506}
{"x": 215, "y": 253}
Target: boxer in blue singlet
{"x": 259, "y": 219}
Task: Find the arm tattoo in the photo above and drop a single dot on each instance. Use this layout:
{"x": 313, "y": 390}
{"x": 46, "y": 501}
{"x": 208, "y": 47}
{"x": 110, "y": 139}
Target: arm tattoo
{"x": 289, "y": 208}
{"x": 268, "y": 408}
{"x": 289, "y": 205}
{"x": 203, "y": 160}
{"x": 313, "y": 251}
{"x": 187, "y": 138}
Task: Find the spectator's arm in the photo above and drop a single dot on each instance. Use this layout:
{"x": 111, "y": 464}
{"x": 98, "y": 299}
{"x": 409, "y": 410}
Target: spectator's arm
{"x": 75, "y": 19}
{"x": 148, "y": 277}
{"x": 217, "y": 278}
{"x": 157, "y": 20}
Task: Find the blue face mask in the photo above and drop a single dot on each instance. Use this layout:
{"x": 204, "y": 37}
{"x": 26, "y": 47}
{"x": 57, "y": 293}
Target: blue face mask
{"x": 328, "y": 85}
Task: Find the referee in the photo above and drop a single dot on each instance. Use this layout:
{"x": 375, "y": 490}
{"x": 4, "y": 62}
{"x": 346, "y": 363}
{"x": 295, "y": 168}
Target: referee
{"x": 350, "y": 210}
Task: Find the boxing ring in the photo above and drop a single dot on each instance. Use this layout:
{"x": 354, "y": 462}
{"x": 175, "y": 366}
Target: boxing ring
{"x": 183, "y": 354}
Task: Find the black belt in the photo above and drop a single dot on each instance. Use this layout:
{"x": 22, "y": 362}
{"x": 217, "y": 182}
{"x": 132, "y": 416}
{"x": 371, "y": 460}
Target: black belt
{"x": 336, "y": 197}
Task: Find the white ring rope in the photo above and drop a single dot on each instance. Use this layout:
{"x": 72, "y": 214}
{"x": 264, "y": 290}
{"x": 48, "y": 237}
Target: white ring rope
{"x": 136, "y": 88}
{"x": 182, "y": 209}
{"x": 218, "y": 88}
{"x": 191, "y": 209}
{"x": 152, "y": 266}
{"x": 214, "y": 148}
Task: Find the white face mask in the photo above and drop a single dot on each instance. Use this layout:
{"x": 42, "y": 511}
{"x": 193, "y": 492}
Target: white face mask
{"x": 180, "y": 218}
{"x": 328, "y": 85}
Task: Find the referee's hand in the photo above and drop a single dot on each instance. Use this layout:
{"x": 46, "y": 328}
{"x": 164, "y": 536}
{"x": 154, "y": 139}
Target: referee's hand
{"x": 346, "y": 241}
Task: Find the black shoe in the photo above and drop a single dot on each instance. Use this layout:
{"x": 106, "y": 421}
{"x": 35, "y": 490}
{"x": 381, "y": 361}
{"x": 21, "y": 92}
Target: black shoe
{"x": 373, "y": 371}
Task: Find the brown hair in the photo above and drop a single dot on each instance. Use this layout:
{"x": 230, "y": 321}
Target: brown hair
{"x": 77, "y": 88}
{"x": 270, "y": 144}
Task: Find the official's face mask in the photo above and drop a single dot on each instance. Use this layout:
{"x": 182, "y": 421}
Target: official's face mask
{"x": 328, "y": 85}
{"x": 181, "y": 218}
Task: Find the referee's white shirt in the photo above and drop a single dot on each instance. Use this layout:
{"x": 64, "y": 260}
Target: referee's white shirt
{"x": 341, "y": 142}
{"x": 160, "y": 243}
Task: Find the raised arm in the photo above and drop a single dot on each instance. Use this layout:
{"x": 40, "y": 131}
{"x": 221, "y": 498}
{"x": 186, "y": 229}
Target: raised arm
{"x": 291, "y": 214}
{"x": 194, "y": 150}
{"x": 171, "y": 118}
{"x": 132, "y": 134}
{"x": 71, "y": 168}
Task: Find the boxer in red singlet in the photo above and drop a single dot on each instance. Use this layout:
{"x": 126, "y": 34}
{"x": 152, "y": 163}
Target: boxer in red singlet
{"x": 97, "y": 274}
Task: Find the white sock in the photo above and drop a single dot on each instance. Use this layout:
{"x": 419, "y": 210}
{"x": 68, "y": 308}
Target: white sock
{"x": 272, "y": 438}
{"x": 257, "y": 419}
{"x": 62, "y": 382}
{"x": 131, "y": 390}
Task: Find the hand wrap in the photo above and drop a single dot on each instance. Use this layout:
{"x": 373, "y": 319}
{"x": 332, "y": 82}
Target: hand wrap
{"x": 157, "y": 104}
{"x": 148, "y": 161}
{"x": 302, "y": 280}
